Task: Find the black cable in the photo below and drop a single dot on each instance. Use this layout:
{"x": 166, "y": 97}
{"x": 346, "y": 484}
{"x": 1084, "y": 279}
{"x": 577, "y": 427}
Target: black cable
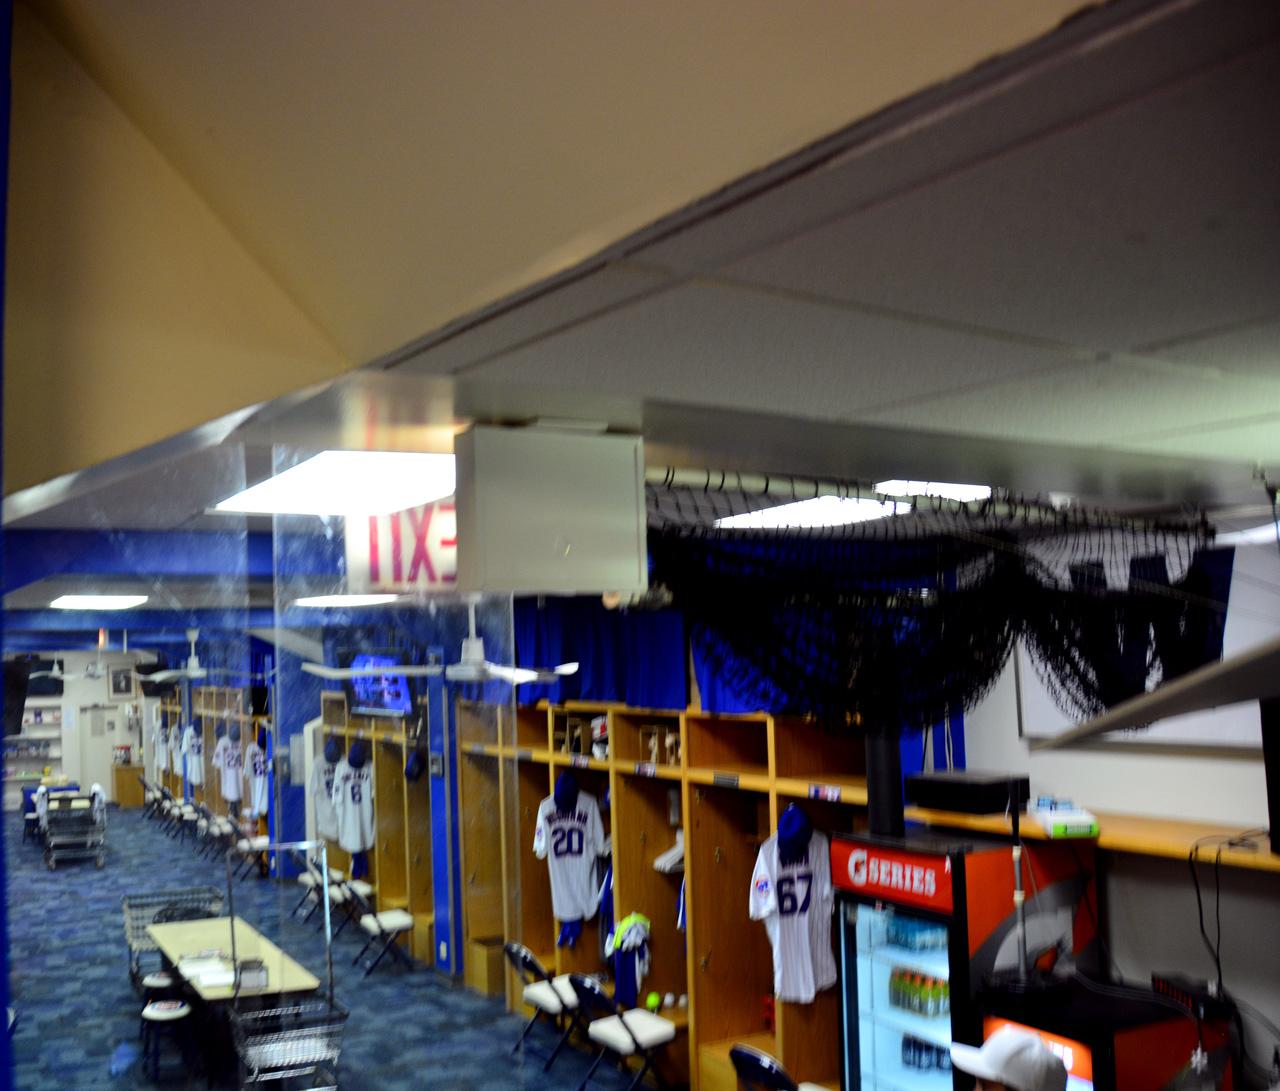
{"x": 1217, "y": 912}
{"x": 1214, "y": 952}
{"x": 1126, "y": 993}
{"x": 1111, "y": 967}
{"x": 1195, "y": 879}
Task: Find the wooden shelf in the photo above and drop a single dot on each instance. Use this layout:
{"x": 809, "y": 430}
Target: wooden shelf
{"x": 834, "y": 789}
{"x": 1125, "y": 833}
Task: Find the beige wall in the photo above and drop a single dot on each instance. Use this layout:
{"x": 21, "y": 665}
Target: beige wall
{"x": 131, "y": 312}
{"x": 389, "y": 173}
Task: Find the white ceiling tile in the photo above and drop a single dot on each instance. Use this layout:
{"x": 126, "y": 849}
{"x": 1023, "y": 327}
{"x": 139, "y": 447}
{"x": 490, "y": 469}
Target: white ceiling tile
{"x": 712, "y": 344}
{"x": 1109, "y": 404}
{"x": 1253, "y": 349}
{"x": 1148, "y": 223}
{"x": 1251, "y": 441}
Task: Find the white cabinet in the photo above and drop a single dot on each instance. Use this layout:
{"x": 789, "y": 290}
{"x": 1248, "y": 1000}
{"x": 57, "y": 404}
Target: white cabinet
{"x": 36, "y": 752}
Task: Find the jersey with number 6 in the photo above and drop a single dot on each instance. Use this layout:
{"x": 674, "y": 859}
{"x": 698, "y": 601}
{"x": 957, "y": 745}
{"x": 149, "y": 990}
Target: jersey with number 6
{"x": 353, "y": 806}
{"x": 570, "y": 842}
{"x": 795, "y": 901}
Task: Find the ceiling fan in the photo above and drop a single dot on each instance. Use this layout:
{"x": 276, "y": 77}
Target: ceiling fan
{"x": 473, "y": 667}
{"x": 93, "y": 669}
{"x": 192, "y": 670}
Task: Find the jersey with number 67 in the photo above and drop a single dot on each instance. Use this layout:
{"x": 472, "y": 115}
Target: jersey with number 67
{"x": 570, "y": 842}
{"x": 353, "y": 805}
{"x": 795, "y": 901}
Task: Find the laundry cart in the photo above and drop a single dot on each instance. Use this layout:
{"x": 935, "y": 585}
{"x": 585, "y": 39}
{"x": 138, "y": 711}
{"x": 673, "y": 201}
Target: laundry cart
{"x": 75, "y": 828}
{"x": 299, "y": 1043}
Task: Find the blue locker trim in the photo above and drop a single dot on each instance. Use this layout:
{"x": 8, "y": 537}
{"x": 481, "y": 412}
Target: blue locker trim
{"x": 446, "y": 876}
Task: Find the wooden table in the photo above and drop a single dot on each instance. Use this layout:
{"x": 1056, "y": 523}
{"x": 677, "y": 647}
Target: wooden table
{"x": 190, "y": 938}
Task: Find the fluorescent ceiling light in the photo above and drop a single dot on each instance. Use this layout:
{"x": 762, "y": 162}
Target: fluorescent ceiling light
{"x": 345, "y": 600}
{"x": 97, "y": 602}
{"x": 1265, "y": 534}
{"x": 947, "y": 489}
{"x": 350, "y": 483}
{"x": 821, "y": 511}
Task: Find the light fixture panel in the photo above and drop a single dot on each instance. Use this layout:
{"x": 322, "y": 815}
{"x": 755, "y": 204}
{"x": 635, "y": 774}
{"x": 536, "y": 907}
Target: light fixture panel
{"x": 948, "y": 490}
{"x": 349, "y": 483}
{"x": 344, "y": 600}
{"x": 820, "y": 511}
{"x": 97, "y": 602}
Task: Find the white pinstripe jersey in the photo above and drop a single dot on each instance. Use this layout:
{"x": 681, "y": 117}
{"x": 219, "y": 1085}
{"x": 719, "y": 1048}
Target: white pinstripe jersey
{"x": 255, "y": 772}
{"x": 795, "y": 902}
{"x": 193, "y": 748}
{"x": 353, "y": 805}
{"x": 570, "y": 843}
{"x": 227, "y": 757}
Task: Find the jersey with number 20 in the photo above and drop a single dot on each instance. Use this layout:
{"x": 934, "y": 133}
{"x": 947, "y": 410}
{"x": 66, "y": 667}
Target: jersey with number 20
{"x": 795, "y": 901}
{"x": 570, "y": 842}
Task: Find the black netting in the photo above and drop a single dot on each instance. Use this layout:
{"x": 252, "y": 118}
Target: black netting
{"x": 893, "y": 623}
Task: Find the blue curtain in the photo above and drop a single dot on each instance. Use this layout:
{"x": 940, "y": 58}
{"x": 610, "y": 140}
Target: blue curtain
{"x": 632, "y": 656}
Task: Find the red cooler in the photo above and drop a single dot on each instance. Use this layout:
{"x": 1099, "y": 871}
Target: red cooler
{"x": 920, "y": 920}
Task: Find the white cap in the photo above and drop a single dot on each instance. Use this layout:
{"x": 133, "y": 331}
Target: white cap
{"x": 1016, "y": 1058}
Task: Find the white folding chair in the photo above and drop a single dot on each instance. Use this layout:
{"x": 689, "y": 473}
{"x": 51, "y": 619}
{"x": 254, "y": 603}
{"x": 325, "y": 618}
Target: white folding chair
{"x": 387, "y": 927}
{"x": 546, "y": 995}
{"x": 633, "y": 1033}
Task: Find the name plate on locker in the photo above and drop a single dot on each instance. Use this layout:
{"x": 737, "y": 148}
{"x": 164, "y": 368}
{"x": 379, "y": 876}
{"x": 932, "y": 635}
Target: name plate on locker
{"x": 580, "y": 761}
{"x": 646, "y": 769}
{"x": 524, "y": 754}
{"x": 725, "y": 780}
{"x": 829, "y": 792}
{"x": 477, "y": 748}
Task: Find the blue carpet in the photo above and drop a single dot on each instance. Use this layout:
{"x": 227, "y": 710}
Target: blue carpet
{"x": 70, "y": 985}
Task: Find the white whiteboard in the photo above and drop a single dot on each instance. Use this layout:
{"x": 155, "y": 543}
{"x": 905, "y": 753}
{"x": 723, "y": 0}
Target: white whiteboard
{"x": 1253, "y": 617}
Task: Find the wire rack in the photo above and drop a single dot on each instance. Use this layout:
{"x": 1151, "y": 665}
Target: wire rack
{"x": 74, "y": 829}
{"x": 140, "y": 910}
{"x": 290, "y": 1042}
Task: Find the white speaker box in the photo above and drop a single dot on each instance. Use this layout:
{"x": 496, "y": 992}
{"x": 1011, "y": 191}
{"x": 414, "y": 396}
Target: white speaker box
{"x": 544, "y": 511}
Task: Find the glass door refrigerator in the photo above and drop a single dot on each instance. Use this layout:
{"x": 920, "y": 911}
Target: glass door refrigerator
{"x": 918, "y": 923}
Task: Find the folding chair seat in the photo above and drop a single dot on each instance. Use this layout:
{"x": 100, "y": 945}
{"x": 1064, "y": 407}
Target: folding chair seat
{"x": 340, "y": 894}
{"x": 359, "y": 892}
{"x": 387, "y": 927}
{"x": 760, "y": 1072}
{"x": 221, "y": 833}
{"x": 170, "y": 812}
{"x": 636, "y": 1032}
{"x": 188, "y": 816}
{"x": 546, "y": 995}
{"x": 150, "y": 797}
{"x": 249, "y": 848}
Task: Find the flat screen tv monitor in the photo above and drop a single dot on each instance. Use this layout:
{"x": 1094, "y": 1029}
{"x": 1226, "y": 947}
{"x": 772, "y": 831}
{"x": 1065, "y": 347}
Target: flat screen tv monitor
{"x": 1077, "y": 1056}
{"x": 382, "y": 694}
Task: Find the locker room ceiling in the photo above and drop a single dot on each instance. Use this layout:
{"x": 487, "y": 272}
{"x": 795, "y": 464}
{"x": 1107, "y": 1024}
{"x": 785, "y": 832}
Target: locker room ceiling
{"x": 1058, "y": 272}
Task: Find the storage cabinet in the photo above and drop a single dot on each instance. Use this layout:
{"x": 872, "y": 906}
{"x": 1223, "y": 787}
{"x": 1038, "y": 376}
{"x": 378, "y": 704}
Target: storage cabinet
{"x": 34, "y": 753}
